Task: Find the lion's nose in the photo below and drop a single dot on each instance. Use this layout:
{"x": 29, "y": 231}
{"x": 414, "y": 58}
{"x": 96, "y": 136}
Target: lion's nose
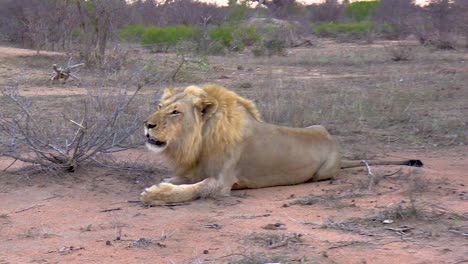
{"x": 150, "y": 126}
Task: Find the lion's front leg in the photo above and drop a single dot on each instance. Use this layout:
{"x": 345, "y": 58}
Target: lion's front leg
{"x": 177, "y": 180}
{"x": 166, "y": 193}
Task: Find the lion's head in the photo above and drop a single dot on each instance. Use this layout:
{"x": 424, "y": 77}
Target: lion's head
{"x": 188, "y": 124}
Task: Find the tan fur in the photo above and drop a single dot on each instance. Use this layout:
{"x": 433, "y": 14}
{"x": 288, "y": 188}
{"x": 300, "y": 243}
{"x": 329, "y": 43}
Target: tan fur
{"x": 216, "y": 141}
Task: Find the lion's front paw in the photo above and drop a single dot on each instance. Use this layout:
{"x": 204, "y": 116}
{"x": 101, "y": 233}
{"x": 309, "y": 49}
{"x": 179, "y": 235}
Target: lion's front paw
{"x": 158, "y": 194}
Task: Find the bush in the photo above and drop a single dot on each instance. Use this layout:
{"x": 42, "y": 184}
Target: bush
{"x": 356, "y": 30}
{"x": 85, "y": 128}
{"x": 131, "y": 33}
{"x": 161, "y": 38}
{"x": 249, "y": 36}
{"x": 234, "y": 36}
{"x": 222, "y": 34}
{"x": 269, "y": 48}
{"x": 360, "y": 11}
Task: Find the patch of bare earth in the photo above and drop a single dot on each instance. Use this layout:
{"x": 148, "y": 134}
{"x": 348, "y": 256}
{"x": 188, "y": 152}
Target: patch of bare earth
{"x": 412, "y": 215}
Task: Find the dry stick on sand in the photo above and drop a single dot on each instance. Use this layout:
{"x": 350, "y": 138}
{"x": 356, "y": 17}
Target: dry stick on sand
{"x": 64, "y": 73}
{"x": 370, "y": 175}
{"x": 11, "y": 164}
{"x": 110, "y": 210}
{"x": 29, "y": 208}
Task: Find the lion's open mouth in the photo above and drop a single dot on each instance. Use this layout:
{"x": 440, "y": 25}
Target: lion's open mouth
{"x": 157, "y": 143}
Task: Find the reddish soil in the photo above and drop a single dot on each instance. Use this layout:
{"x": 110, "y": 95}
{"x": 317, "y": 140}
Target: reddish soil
{"x": 62, "y": 219}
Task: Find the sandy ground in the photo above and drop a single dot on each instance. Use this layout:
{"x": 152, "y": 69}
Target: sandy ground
{"x": 64, "y": 220}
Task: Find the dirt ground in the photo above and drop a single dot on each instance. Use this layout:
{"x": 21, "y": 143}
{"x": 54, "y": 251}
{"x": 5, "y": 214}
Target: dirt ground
{"x": 409, "y": 215}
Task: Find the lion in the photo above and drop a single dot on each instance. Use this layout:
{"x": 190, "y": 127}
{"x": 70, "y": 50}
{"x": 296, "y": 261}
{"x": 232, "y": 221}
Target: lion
{"x": 217, "y": 141}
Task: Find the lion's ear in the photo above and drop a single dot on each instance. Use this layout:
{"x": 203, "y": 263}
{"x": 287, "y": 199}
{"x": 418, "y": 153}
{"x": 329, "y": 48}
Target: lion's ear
{"x": 206, "y": 106}
{"x": 168, "y": 92}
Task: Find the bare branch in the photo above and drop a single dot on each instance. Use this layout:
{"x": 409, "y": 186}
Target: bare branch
{"x": 370, "y": 175}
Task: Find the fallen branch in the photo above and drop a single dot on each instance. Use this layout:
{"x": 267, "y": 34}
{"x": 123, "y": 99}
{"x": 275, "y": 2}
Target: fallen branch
{"x": 11, "y": 164}
{"x": 346, "y": 243}
{"x": 29, "y": 208}
{"x": 370, "y": 175}
{"x": 391, "y": 174}
{"x": 110, "y": 210}
{"x": 64, "y": 73}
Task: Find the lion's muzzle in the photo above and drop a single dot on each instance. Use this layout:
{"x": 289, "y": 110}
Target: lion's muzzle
{"x": 157, "y": 143}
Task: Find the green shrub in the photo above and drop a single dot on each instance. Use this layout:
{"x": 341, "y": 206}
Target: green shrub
{"x": 234, "y": 36}
{"x": 75, "y": 33}
{"x": 336, "y": 30}
{"x": 131, "y": 33}
{"x": 216, "y": 48}
{"x": 161, "y": 38}
{"x": 249, "y": 36}
{"x": 360, "y": 11}
{"x": 222, "y": 34}
{"x": 387, "y": 31}
{"x": 269, "y": 48}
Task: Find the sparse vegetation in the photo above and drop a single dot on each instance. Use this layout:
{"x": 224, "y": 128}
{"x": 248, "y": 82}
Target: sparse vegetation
{"x": 89, "y": 127}
{"x": 162, "y": 38}
{"x": 355, "y": 30}
{"x": 360, "y": 11}
{"x": 87, "y": 228}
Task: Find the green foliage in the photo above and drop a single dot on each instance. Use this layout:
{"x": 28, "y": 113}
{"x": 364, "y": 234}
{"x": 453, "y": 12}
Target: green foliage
{"x": 216, "y": 40}
{"x": 216, "y": 48}
{"x": 161, "y": 38}
{"x": 360, "y": 11}
{"x": 386, "y": 30}
{"x": 234, "y": 36}
{"x": 131, "y": 33}
{"x": 222, "y": 34}
{"x": 249, "y": 36}
{"x": 269, "y": 48}
{"x": 335, "y": 30}
{"x": 75, "y": 33}
{"x": 237, "y": 11}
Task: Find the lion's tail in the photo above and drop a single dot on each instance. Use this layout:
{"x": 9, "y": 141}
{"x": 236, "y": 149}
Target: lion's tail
{"x": 359, "y": 163}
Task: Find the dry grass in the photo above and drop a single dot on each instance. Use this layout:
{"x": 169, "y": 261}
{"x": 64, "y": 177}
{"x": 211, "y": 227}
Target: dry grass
{"x": 356, "y": 91}
{"x": 361, "y": 89}
{"x": 409, "y": 219}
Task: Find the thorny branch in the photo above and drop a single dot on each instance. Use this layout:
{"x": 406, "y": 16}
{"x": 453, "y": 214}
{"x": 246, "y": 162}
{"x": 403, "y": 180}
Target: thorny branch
{"x": 35, "y": 139}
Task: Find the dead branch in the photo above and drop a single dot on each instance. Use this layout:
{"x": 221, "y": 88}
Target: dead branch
{"x": 29, "y": 208}
{"x": 176, "y": 71}
{"x": 391, "y": 174}
{"x": 110, "y": 210}
{"x": 11, "y": 164}
{"x": 370, "y": 175}
{"x": 346, "y": 244}
{"x": 30, "y": 140}
{"x": 63, "y": 73}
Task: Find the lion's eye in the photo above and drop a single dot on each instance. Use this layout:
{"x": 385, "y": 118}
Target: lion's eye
{"x": 159, "y": 106}
{"x": 175, "y": 112}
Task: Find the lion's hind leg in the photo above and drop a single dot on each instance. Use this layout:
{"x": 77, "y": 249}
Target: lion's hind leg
{"x": 328, "y": 169}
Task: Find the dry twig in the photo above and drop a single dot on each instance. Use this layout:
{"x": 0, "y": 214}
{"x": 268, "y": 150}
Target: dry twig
{"x": 370, "y": 175}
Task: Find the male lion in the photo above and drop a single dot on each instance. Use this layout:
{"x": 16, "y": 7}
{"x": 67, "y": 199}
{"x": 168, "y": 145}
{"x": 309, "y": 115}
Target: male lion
{"x": 217, "y": 141}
